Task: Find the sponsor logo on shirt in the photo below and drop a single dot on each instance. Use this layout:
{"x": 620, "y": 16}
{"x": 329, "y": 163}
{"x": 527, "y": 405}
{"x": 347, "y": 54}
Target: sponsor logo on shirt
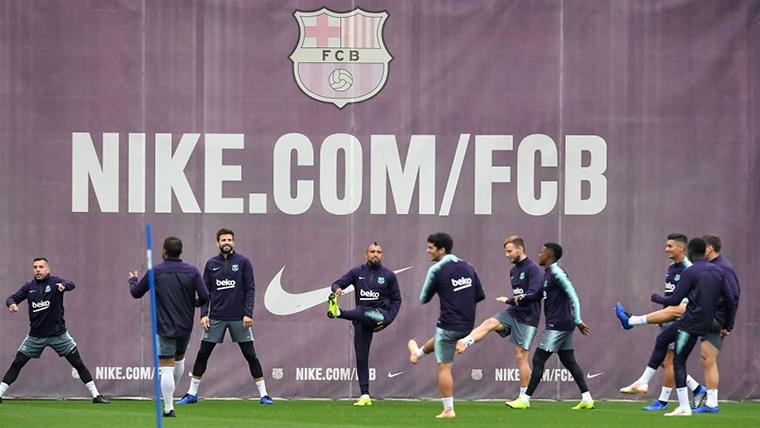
{"x": 368, "y": 295}
{"x": 40, "y": 306}
{"x": 669, "y": 288}
{"x": 461, "y": 283}
{"x": 214, "y": 269}
{"x": 518, "y": 291}
{"x": 223, "y": 284}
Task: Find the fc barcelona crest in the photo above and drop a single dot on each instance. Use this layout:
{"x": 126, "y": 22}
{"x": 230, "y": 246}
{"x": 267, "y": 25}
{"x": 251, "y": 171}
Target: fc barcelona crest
{"x": 340, "y": 58}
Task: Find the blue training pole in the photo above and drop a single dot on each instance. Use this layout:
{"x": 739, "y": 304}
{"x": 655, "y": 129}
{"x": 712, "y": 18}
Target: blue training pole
{"x": 153, "y": 324}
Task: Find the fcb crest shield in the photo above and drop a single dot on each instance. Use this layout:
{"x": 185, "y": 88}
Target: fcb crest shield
{"x": 340, "y": 58}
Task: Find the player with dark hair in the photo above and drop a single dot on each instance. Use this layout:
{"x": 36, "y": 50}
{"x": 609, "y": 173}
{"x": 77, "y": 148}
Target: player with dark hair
{"x": 378, "y": 300}
{"x": 44, "y": 294}
{"x": 704, "y": 284}
{"x": 520, "y": 320}
{"x": 713, "y": 340}
{"x": 229, "y": 279}
{"x": 562, "y": 311}
{"x": 177, "y": 284}
{"x": 675, "y": 248}
{"x": 459, "y": 290}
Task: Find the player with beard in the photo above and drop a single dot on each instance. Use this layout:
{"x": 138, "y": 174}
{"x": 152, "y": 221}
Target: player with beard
{"x": 377, "y": 299}
{"x": 229, "y": 279}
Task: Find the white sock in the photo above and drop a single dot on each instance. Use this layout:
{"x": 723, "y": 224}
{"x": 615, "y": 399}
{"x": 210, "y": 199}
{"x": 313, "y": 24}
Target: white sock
{"x": 92, "y": 388}
{"x": 167, "y": 387}
{"x": 448, "y": 403}
{"x": 194, "y": 384}
{"x": 712, "y": 397}
{"x": 468, "y": 341}
{"x": 522, "y": 390}
{"x": 665, "y": 394}
{"x": 683, "y": 398}
{"x": 3, "y": 387}
{"x": 646, "y": 376}
{"x": 179, "y": 370}
{"x": 637, "y": 320}
{"x": 420, "y": 353}
{"x": 691, "y": 383}
{"x": 526, "y": 397}
{"x": 586, "y": 397}
{"x": 261, "y": 387}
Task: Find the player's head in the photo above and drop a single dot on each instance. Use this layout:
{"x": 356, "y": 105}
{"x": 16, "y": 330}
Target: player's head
{"x": 675, "y": 246}
{"x": 172, "y": 247}
{"x": 439, "y": 244}
{"x": 40, "y": 267}
{"x": 374, "y": 254}
{"x": 713, "y": 246}
{"x": 549, "y": 253}
{"x": 225, "y": 239}
{"x": 514, "y": 248}
{"x": 696, "y": 248}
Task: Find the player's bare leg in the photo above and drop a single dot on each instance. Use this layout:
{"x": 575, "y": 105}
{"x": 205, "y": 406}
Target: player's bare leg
{"x": 521, "y": 356}
{"x": 446, "y": 387}
{"x": 480, "y": 332}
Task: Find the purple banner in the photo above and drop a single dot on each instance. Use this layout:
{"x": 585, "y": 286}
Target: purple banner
{"x": 314, "y": 128}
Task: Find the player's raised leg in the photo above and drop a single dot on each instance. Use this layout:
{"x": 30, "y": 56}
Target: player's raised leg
{"x": 416, "y": 352}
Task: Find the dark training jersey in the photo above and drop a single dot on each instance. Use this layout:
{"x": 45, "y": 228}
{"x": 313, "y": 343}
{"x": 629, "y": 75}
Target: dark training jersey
{"x": 176, "y": 286}
{"x": 673, "y": 276}
{"x": 376, "y": 287}
{"x": 45, "y": 305}
{"x": 561, "y": 305}
{"x": 459, "y": 290}
{"x": 704, "y": 284}
{"x": 526, "y": 280}
{"x": 230, "y": 284}
{"x": 733, "y": 284}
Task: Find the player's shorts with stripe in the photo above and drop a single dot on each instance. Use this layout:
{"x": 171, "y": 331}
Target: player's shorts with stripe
{"x": 32, "y": 347}
{"x": 168, "y": 347}
{"x": 556, "y": 340}
{"x": 445, "y": 344}
{"x": 216, "y": 329}
{"x": 519, "y": 334}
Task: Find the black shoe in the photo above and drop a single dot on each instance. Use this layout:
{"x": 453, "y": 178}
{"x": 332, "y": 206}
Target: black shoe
{"x": 170, "y": 414}
{"x": 100, "y": 400}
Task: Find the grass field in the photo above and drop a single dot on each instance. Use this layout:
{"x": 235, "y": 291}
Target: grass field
{"x": 295, "y": 413}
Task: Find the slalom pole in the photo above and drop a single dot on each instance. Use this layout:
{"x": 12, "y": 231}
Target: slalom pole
{"x": 153, "y": 324}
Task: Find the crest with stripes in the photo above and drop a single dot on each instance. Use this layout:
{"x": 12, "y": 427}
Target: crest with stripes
{"x": 340, "y": 58}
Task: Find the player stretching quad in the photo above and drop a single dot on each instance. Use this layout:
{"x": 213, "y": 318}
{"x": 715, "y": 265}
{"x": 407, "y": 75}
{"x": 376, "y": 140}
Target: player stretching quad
{"x": 562, "y": 312}
{"x": 675, "y": 248}
{"x": 705, "y": 286}
{"x": 47, "y": 327}
{"x": 229, "y": 279}
{"x": 520, "y": 320}
{"x": 459, "y": 290}
{"x": 378, "y": 300}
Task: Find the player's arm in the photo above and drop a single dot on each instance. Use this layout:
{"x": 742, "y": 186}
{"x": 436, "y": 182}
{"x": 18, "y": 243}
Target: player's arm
{"x": 200, "y": 290}
{"x": 344, "y": 281}
{"x": 138, "y": 288}
{"x": 480, "y": 294}
{"x": 16, "y": 298}
{"x": 681, "y": 291}
{"x": 535, "y": 288}
{"x": 394, "y": 295}
{"x": 207, "y": 283}
{"x": 64, "y": 285}
{"x": 725, "y": 290}
{"x": 429, "y": 287}
{"x": 575, "y": 303}
{"x": 250, "y": 288}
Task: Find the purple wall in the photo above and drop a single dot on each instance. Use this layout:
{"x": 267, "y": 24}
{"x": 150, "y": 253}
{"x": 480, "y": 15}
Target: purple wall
{"x": 666, "y": 94}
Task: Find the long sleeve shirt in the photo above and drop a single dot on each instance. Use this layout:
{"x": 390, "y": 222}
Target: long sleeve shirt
{"x": 527, "y": 286}
{"x": 459, "y": 290}
{"x": 673, "y": 276}
{"x": 733, "y": 284}
{"x": 177, "y": 284}
{"x": 376, "y": 287}
{"x": 562, "y": 308}
{"x": 230, "y": 284}
{"x": 704, "y": 284}
{"x": 45, "y": 305}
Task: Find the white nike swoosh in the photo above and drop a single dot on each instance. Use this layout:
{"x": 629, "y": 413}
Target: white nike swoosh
{"x": 391, "y": 375}
{"x": 280, "y": 302}
{"x": 215, "y": 269}
{"x": 591, "y": 376}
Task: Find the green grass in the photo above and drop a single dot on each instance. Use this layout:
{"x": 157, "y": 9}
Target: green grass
{"x": 228, "y": 414}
